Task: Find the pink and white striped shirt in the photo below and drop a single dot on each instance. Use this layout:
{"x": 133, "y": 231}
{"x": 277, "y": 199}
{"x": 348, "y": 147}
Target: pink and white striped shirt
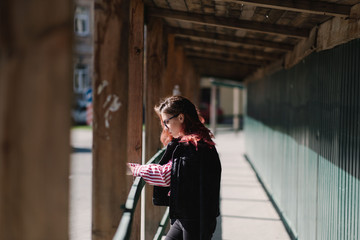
{"x": 153, "y": 174}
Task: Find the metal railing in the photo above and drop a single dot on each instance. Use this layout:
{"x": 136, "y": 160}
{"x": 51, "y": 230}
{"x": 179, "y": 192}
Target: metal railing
{"x": 124, "y": 230}
{"x": 302, "y": 136}
{"x": 162, "y": 226}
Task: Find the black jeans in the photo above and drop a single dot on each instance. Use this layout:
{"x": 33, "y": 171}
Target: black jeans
{"x": 182, "y": 229}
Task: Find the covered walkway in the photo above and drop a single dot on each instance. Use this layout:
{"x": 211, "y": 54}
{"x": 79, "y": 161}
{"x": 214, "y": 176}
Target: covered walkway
{"x": 298, "y": 62}
{"x": 246, "y": 212}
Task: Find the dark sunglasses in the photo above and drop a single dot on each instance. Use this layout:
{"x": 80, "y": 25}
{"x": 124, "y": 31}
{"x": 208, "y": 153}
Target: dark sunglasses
{"x": 166, "y": 121}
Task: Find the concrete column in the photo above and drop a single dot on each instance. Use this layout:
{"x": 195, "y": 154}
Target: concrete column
{"x": 244, "y": 102}
{"x": 213, "y": 107}
{"x": 236, "y": 103}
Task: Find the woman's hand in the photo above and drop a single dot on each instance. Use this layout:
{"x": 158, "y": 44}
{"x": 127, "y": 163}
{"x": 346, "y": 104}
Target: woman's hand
{"x": 130, "y": 167}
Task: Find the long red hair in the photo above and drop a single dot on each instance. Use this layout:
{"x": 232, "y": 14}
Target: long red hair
{"x": 193, "y": 126}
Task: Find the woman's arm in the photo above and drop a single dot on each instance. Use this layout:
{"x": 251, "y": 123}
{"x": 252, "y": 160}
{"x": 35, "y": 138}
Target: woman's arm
{"x": 153, "y": 174}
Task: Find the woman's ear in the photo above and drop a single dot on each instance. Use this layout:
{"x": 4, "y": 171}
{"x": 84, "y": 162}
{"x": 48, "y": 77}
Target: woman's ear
{"x": 181, "y": 118}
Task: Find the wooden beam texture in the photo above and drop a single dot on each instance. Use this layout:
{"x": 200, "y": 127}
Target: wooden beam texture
{"x": 35, "y": 98}
{"x": 110, "y": 126}
{"x": 302, "y": 49}
{"x": 155, "y": 68}
{"x": 135, "y": 97}
{"x": 265, "y": 71}
{"x": 251, "y": 53}
{"x": 175, "y": 71}
{"x": 327, "y": 35}
{"x": 338, "y": 31}
{"x": 221, "y": 69}
{"x": 305, "y": 6}
{"x": 232, "y": 23}
{"x": 179, "y": 72}
{"x": 226, "y": 38}
{"x": 225, "y": 57}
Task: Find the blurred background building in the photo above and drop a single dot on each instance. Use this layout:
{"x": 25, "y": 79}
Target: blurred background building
{"x": 224, "y": 101}
{"x": 83, "y": 61}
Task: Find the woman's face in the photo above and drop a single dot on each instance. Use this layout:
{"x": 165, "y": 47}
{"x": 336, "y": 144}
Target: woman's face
{"x": 174, "y": 124}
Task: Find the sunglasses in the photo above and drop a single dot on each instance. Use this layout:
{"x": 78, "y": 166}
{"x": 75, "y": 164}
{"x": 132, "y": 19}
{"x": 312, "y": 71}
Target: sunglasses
{"x": 166, "y": 121}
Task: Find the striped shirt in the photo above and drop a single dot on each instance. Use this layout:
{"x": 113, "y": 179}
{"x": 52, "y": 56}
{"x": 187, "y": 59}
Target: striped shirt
{"x": 153, "y": 174}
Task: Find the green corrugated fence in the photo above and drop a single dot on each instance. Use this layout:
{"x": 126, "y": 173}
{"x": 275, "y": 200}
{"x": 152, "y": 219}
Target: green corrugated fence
{"x": 302, "y": 134}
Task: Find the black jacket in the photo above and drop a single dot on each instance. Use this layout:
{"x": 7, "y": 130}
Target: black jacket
{"x": 195, "y": 182}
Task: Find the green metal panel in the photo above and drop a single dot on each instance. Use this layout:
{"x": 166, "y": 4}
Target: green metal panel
{"x": 302, "y": 136}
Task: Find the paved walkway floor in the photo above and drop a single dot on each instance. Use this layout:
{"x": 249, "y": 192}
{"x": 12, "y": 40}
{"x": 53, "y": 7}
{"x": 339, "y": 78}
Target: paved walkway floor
{"x": 246, "y": 212}
{"x": 80, "y": 185}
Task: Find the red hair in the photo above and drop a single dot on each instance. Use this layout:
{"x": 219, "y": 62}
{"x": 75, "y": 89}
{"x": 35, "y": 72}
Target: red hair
{"x": 193, "y": 126}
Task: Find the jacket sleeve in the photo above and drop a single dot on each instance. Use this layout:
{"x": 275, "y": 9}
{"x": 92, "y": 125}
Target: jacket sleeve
{"x": 154, "y": 174}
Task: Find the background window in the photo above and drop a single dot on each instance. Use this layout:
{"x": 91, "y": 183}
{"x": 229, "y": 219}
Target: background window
{"x": 82, "y": 21}
{"x": 81, "y": 78}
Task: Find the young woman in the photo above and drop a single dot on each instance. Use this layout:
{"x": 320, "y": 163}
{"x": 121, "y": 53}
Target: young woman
{"x": 187, "y": 178}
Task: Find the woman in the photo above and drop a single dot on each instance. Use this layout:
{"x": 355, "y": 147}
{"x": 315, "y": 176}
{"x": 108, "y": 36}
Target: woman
{"x": 187, "y": 178}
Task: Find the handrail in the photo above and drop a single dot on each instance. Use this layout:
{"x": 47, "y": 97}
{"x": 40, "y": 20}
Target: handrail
{"x": 124, "y": 229}
{"x": 162, "y": 226}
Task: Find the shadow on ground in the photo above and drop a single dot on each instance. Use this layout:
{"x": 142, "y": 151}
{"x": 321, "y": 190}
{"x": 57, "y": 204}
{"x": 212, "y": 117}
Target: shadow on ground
{"x": 218, "y": 231}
